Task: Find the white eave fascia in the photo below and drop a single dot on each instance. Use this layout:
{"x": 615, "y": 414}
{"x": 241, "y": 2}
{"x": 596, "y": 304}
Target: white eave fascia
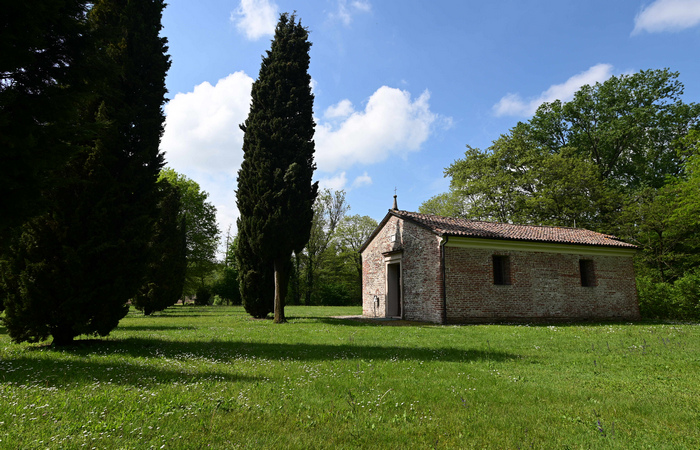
{"x": 542, "y": 247}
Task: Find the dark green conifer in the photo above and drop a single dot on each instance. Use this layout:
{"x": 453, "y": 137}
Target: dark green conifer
{"x": 165, "y": 276}
{"x": 275, "y": 192}
{"x": 73, "y": 269}
{"x": 41, "y": 48}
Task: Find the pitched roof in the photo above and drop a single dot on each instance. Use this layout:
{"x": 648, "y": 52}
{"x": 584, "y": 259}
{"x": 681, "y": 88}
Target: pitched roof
{"x": 450, "y": 226}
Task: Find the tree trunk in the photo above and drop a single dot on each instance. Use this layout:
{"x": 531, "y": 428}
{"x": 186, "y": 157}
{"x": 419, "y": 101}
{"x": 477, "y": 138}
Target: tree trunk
{"x": 281, "y": 279}
{"x": 62, "y": 336}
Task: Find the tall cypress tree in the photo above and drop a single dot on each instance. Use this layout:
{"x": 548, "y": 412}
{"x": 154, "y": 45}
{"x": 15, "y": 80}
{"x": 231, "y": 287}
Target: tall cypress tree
{"x": 275, "y": 191}
{"x": 73, "y": 269}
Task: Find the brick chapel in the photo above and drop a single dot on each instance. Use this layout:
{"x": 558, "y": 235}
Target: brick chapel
{"x": 447, "y": 270}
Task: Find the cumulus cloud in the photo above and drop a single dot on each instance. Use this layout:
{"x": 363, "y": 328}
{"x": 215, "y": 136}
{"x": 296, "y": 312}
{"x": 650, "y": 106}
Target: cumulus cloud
{"x": 345, "y": 11}
{"x": 334, "y": 183}
{"x": 340, "y": 110}
{"x": 201, "y": 127}
{"x": 391, "y": 124}
{"x": 515, "y": 105}
{"x": 667, "y": 15}
{"x": 256, "y": 18}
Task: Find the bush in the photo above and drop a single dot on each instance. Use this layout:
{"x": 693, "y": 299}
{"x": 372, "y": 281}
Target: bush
{"x": 679, "y": 300}
{"x": 203, "y": 296}
{"x": 334, "y": 294}
{"x": 226, "y": 287}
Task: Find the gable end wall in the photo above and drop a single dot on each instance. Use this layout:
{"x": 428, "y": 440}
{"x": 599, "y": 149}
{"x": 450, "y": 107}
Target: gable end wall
{"x": 421, "y": 278}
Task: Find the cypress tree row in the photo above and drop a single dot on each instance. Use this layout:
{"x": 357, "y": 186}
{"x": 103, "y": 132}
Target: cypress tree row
{"x": 275, "y": 193}
{"x": 72, "y": 269}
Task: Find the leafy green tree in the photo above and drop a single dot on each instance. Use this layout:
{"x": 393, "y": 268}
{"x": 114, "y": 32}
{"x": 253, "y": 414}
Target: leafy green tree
{"x": 664, "y": 222}
{"x": 447, "y": 204}
{"x": 42, "y": 44}
{"x": 515, "y": 181}
{"x": 201, "y": 230}
{"x": 353, "y": 231}
{"x": 275, "y": 193}
{"x": 627, "y": 126}
{"x": 165, "y": 277}
{"x": 202, "y": 296}
{"x": 329, "y": 209}
{"x": 72, "y": 269}
{"x": 226, "y": 284}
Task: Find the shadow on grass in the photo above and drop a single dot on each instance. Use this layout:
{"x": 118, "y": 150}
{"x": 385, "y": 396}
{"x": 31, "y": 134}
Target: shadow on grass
{"x": 362, "y": 322}
{"x": 59, "y": 372}
{"x": 134, "y": 361}
{"x": 229, "y": 351}
{"x": 154, "y": 327}
{"x": 3, "y": 330}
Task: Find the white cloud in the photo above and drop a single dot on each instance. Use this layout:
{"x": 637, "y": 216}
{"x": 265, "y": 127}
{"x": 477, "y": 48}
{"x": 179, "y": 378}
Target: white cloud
{"x": 667, "y": 15}
{"x": 340, "y": 110}
{"x": 335, "y": 183}
{"x": 391, "y": 124}
{"x": 362, "y": 180}
{"x": 514, "y": 105}
{"x": 201, "y": 127}
{"x": 256, "y": 18}
{"x": 346, "y": 12}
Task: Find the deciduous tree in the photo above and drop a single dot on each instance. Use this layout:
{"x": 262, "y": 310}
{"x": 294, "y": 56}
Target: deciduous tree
{"x": 329, "y": 209}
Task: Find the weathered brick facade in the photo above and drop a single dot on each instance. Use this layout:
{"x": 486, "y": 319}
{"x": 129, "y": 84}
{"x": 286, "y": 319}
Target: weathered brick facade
{"x": 544, "y": 281}
{"x": 417, "y": 250}
{"x": 542, "y": 286}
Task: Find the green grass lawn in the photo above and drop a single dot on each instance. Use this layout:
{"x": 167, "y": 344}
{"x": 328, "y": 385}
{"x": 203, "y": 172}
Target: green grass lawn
{"x": 215, "y": 378}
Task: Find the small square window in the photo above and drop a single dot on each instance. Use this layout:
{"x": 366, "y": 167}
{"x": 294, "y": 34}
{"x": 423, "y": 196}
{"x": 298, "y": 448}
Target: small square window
{"x": 501, "y": 269}
{"x": 587, "y": 271}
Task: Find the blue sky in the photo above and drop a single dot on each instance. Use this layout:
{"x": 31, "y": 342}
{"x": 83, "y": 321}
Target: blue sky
{"x": 402, "y": 86}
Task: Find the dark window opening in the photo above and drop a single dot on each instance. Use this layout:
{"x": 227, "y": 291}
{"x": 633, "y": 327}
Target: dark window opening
{"x": 587, "y": 272}
{"x": 501, "y": 269}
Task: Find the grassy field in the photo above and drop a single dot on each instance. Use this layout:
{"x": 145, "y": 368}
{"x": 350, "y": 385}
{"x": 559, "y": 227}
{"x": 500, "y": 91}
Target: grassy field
{"x": 214, "y": 378}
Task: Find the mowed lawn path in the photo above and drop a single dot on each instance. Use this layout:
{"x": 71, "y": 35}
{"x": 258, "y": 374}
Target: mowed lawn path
{"x": 212, "y": 377}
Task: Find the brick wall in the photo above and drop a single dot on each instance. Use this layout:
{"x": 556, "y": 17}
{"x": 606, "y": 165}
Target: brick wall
{"x": 421, "y": 279}
{"x": 543, "y": 286}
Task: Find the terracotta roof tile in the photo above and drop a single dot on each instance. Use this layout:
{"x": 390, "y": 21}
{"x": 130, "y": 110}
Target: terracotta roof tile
{"x": 450, "y": 226}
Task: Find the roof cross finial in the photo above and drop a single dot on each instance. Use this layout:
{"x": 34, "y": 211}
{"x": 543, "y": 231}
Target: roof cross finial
{"x": 396, "y": 206}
